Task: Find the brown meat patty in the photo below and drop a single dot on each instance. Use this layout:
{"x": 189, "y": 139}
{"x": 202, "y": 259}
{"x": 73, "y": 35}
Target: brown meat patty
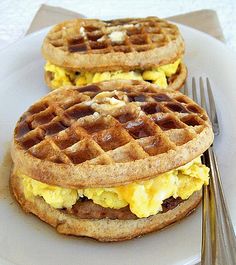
{"x": 87, "y": 209}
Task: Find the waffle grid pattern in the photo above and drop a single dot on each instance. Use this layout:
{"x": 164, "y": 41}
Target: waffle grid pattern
{"x": 67, "y": 128}
{"x": 92, "y": 36}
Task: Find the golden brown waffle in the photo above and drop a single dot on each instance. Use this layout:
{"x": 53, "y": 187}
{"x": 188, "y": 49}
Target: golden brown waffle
{"x": 87, "y": 44}
{"x": 101, "y": 229}
{"x": 73, "y": 138}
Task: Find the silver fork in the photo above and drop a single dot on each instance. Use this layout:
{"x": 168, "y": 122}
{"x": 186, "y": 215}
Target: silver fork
{"x": 218, "y": 238}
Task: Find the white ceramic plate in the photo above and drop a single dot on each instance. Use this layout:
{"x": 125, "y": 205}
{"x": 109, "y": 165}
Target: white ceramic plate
{"x": 25, "y": 240}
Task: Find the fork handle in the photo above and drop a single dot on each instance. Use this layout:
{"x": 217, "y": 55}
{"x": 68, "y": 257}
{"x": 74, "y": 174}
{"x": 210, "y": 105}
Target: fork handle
{"x": 218, "y": 238}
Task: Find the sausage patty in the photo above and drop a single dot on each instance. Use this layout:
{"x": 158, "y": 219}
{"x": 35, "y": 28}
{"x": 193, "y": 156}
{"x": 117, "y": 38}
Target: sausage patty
{"x": 87, "y": 209}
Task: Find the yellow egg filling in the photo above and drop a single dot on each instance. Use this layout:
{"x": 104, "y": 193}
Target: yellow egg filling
{"x": 144, "y": 198}
{"x": 63, "y": 77}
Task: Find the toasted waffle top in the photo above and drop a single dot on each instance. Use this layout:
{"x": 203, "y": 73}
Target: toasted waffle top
{"x": 108, "y": 134}
{"x": 127, "y": 44}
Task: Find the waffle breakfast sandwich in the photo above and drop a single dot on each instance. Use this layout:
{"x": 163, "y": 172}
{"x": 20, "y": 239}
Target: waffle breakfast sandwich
{"x": 83, "y": 51}
{"x": 111, "y": 160}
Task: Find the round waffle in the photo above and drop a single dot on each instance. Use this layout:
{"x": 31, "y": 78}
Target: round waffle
{"x": 87, "y": 44}
{"x": 105, "y": 134}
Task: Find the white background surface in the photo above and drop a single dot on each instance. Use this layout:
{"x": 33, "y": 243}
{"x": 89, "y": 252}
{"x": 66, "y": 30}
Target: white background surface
{"x": 25, "y": 240}
{"x": 16, "y": 15}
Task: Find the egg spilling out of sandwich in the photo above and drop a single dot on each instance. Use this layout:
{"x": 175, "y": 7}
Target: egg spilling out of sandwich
{"x": 63, "y": 77}
{"x": 144, "y": 198}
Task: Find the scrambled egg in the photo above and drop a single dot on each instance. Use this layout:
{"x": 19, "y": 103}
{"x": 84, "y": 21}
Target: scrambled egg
{"x": 143, "y": 197}
{"x": 63, "y": 77}
{"x": 56, "y": 196}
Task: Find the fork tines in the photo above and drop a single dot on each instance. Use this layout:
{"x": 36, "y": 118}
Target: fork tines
{"x": 218, "y": 239}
